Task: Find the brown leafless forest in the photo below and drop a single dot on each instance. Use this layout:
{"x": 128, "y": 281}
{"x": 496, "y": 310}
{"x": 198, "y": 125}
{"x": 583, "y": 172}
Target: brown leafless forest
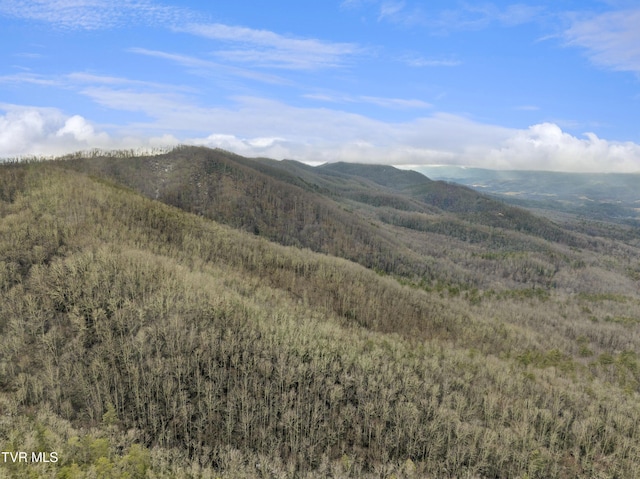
{"x": 197, "y": 314}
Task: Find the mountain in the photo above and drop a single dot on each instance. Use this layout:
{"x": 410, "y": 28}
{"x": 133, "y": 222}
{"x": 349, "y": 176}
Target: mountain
{"x": 350, "y": 211}
{"x": 143, "y": 337}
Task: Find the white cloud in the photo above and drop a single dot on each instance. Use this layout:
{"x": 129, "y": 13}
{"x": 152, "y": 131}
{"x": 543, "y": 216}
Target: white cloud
{"x": 438, "y": 139}
{"x": 270, "y": 49}
{"x": 329, "y": 135}
{"x": 546, "y": 147}
{"x": 45, "y": 131}
{"x": 272, "y": 147}
{"x": 33, "y": 131}
{"x": 78, "y": 129}
{"x": 612, "y": 39}
{"x": 20, "y": 129}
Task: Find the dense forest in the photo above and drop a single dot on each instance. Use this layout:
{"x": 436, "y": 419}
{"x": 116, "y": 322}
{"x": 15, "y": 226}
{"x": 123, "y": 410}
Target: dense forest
{"x": 199, "y": 314}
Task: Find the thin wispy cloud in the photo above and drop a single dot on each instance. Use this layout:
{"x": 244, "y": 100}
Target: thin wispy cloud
{"x": 461, "y": 16}
{"x": 612, "y": 39}
{"x": 391, "y": 9}
{"x": 392, "y": 103}
{"x": 419, "y": 61}
{"x": 516, "y": 14}
{"x": 400, "y": 103}
{"x": 401, "y": 13}
{"x": 95, "y": 14}
{"x": 77, "y": 81}
{"x": 250, "y": 46}
{"x": 481, "y": 16}
{"x": 29, "y": 55}
{"x": 269, "y": 49}
{"x": 155, "y": 104}
{"x": 209, "y": 68}
{"x": 347, "y": 4}
{"x": 30, "y": 78}
{"x": 83, "y": 78}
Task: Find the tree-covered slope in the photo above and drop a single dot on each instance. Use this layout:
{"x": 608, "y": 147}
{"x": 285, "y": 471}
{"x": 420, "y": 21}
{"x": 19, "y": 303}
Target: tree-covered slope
{"x": 138, "y": 339}
{"x": 394, "y": 221}
{"x": 258, "y": 198}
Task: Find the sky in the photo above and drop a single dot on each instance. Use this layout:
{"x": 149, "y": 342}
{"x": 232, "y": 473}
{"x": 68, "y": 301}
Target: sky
{"x": 546, "y": 85}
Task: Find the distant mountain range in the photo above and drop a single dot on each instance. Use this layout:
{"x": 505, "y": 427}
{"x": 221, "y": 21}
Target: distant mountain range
{"x": 605, "y": 196}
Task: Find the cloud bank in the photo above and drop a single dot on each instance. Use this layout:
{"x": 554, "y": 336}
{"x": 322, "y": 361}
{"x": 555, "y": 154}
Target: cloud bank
{"x": 318, "y": 136}
{"x": 546, "y": 147}
{"x": 47, "y": 132}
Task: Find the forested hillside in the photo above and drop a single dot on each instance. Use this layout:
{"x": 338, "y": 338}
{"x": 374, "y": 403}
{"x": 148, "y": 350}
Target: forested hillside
{"x": 142, "y": 337}
{"x": 354, "y": 211}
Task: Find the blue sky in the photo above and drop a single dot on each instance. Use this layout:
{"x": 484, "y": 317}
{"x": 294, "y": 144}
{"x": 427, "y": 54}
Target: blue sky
{"x": 551, "y": 85}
